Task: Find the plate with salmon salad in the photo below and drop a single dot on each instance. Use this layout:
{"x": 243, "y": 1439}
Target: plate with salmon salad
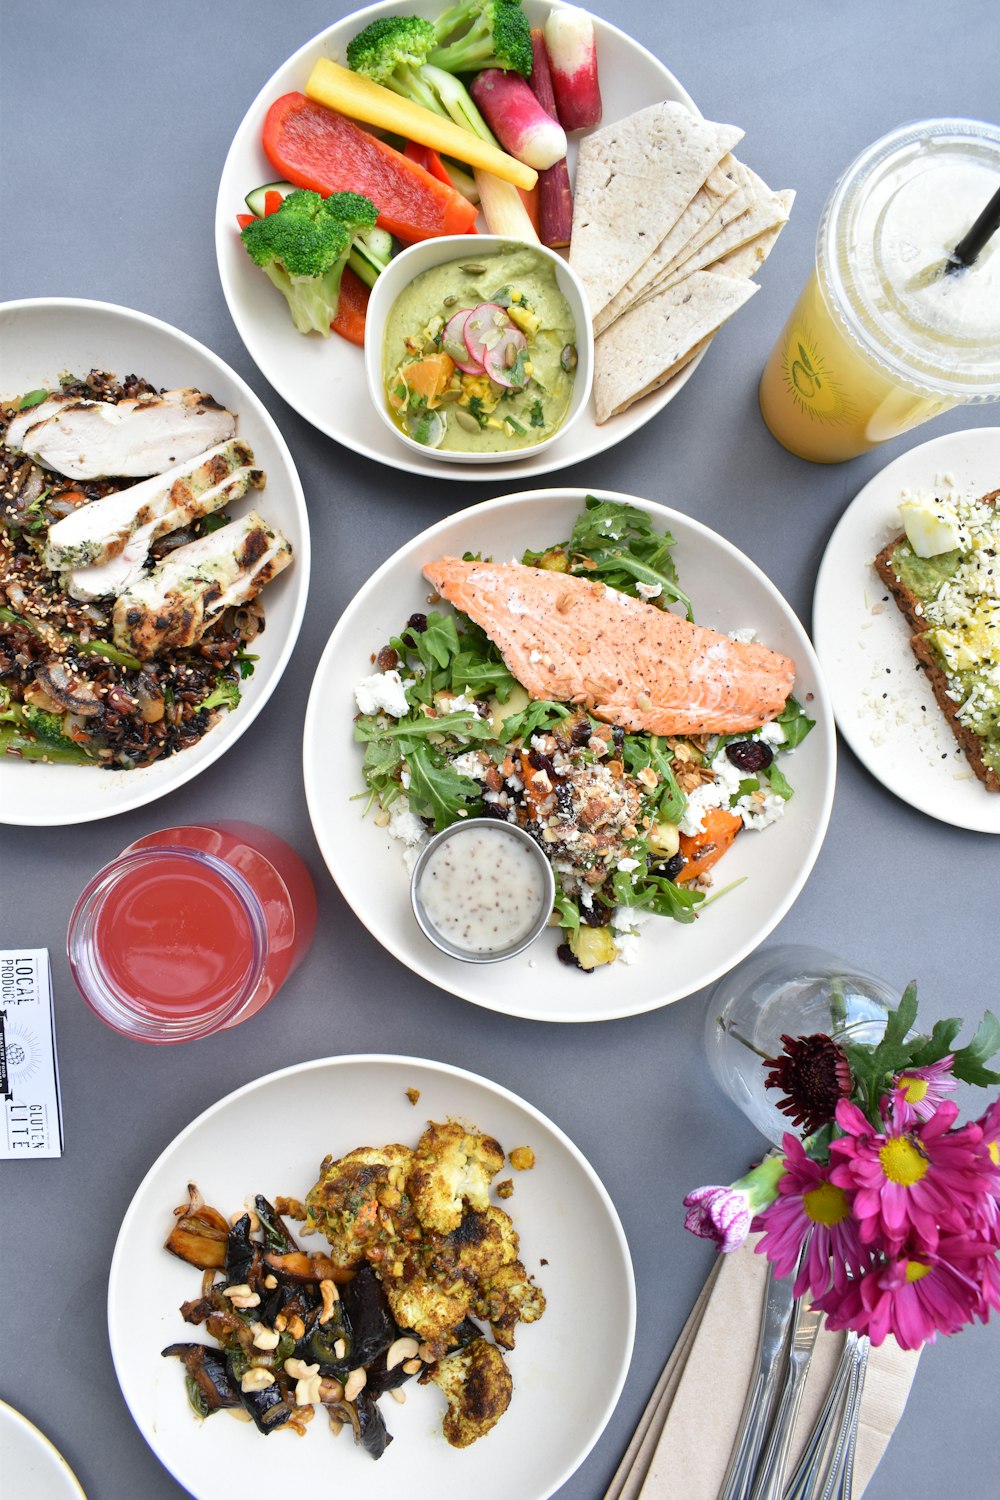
{"x": 154, "y": 559}
{"x": 620, "y": 683}
{"x": 413, "y": 110}
{"x": 405, "y": 1283}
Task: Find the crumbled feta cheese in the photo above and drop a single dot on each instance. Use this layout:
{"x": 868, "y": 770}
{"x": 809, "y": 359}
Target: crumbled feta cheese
{"x": 469, "y": 764}
{"x": 616, "y": 596}
{"x": 771, "y": 734}
{"x": 383, "y": 692}
{"x": 628, "y": 922}
{"x": 649, "y": 590}
{"x": 759, "y": 809}
{"x": 405, "y": 825}
{"x": 627, "y": 865}
{"x": 534, "y": 656}
{"x": 458, "y": 703}
{"x": 744, "y": 635}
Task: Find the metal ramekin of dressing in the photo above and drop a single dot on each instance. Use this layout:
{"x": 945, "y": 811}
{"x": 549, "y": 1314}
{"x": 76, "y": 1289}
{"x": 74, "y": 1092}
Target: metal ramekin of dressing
{"x": 482, "y": 890}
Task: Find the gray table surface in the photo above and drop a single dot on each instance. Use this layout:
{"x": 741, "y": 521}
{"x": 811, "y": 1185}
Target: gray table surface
{"x": 116, "y": 121}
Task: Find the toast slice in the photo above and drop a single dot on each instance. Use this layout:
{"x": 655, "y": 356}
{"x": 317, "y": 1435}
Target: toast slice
{"x": 911, "y": 608}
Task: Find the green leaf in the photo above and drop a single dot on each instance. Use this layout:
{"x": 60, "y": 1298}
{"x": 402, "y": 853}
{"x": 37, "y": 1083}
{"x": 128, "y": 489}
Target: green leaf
{"x": 795, "y": 722}
{"x": 436, "y": 790}
{"x": 538, "y": 715}
{"x": 463, "y": 725}
{"x": 569, "y": 912}
{"x": 969, "y": 1061}
{"x": 439, "y": 642}
{"x": 778, "y": 782}
{"x": 471, "y": 673}
{"x": 931, "y": 1049}
{"x": 900, "y": 1020}
{"x": 33, "y": 398}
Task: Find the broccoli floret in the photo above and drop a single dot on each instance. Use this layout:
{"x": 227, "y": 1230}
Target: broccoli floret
{"x": 491, "y": 34}
{"x": 303, "y": 248}
{"x": 44, "y": 725}
{"x": 33, "y": 734}
{"x": 392, "y": 51}
{"x": 225, "y": 694}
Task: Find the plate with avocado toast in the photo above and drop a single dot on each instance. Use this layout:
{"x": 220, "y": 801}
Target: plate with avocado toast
{"x": 906, "y": 622}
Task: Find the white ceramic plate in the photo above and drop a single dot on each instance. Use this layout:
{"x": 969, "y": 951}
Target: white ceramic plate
{"x": 568, "y": 1368}
{"x": 323, "y": 379}
{"x": 30, "y": 1465}
{"x": 882, "y": 701}
{"x": 39, "y": 340}
{"x": 729, "y": 592}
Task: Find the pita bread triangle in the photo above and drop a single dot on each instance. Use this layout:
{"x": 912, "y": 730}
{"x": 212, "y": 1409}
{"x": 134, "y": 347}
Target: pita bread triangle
{"x": 634, "y": 179}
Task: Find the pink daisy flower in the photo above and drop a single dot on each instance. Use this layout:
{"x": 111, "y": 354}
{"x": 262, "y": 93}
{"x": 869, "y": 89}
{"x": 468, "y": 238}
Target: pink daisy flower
{"x": 908, "y": 1183}
{"x": 913, "y": 1297}
{"x": 988, "y": 1216}
{"x": 811, "y": 1216}
{"x": 917, "y": 1092}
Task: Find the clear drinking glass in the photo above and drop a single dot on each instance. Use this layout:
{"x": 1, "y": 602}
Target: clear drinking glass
{"x": 786, "y": 991}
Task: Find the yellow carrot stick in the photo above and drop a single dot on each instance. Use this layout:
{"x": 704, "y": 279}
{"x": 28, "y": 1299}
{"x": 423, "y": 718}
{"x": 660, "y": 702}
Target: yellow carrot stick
{"x": 361, "y": 99}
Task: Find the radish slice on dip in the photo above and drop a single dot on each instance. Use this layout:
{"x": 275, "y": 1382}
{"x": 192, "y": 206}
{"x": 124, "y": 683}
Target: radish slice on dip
{"x": 454, "y": 345}
{"x": 484, "y": 328}
{"x": 502, "y": 364}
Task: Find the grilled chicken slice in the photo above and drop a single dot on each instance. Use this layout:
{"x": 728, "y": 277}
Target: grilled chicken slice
{"x": 101, "y": 548}
{"x": 173, "y": 605}
{"x": 20, "y": 424}
{"x": 576, "y": 640}
{"x": 86, "y": 439}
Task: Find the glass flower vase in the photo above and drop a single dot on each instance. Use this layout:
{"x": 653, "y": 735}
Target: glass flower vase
{"x": 786, "y": 991}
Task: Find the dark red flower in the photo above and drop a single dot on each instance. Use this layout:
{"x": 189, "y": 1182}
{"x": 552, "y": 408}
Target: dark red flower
{"x": 813, "y": 1074}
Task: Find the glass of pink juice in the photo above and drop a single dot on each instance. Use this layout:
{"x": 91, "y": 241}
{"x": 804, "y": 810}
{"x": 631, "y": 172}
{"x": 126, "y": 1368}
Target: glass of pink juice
{"x": 191, "y": 930}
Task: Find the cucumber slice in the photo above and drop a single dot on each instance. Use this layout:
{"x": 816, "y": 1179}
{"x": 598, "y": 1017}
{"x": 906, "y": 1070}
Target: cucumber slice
{"x": 255, "y": 199}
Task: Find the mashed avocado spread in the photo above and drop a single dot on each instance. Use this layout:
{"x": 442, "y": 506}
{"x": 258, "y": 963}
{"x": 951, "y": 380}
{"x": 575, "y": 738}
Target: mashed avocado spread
{"x": 480, "y": 353}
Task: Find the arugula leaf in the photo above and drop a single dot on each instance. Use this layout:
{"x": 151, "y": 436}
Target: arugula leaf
{"x": 795, "y": 722}
{"x": 538, "y": 715}
{"x": 641, "y": 751}
{"x": 569, "y": 912}
{"x": 436, "y": 790}
{"x": 778, "y": 782}
{"x": 662, "y": 896}
{"x": 473, "y": 674}
{"x": 463, "y": 725}
{"x": 439, "y": 642}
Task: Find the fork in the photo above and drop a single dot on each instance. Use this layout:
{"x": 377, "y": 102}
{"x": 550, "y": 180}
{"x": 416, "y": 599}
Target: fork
{"x": 771, "y": 1474}
{"x": 813, "y": 1468}
{"x": 760, "y": 1399}
{"x": 840, "y": 1478}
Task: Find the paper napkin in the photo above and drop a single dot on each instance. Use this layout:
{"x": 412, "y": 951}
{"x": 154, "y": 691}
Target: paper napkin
{"x": 682, "y": 1445}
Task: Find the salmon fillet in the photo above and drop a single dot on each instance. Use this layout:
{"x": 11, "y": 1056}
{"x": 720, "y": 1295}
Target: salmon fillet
{"x": 574, "y": 640}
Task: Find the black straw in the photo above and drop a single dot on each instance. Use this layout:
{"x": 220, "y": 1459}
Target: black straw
{"x": 969, "y": 247}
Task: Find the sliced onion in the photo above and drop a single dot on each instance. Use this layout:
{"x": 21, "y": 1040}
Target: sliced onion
{"x": 426, "y": 427}
{"x": 501, "y": 359}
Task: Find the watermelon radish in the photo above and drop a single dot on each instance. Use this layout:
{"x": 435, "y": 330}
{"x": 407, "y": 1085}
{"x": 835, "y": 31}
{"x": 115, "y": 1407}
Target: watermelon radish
{"x": 454, "y": 345}
{"x": 484, "y": 328}
{"x": 501, "y": 362}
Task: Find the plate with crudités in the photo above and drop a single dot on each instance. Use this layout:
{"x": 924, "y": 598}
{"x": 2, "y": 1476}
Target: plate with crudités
{"x": 906, "y": 619}
{"x": 154, "y": 559}
{"x": 617, "y": 681}
{"x": 433, "y": 1232}
{"x": 449, "y": 117}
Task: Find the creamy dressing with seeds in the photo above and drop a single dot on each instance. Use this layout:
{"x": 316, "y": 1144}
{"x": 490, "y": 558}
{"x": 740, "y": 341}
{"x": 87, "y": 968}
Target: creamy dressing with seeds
{"x": 482, "y": 890}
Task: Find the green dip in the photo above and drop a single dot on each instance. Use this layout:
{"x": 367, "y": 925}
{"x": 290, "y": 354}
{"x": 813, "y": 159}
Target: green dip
{"x": 468, "y": 412}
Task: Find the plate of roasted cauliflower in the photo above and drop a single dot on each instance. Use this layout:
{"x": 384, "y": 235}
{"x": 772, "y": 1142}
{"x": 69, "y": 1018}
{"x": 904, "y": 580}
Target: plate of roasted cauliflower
{"x": 412, "y": 1266}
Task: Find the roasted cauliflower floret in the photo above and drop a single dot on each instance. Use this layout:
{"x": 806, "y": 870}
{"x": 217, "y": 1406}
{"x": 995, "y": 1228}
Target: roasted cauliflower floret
{"x": 451, "y": 1166}
{"x": 360, "y": 1203}
{"x": 481, "y": 1244}
{"x": 477, "y": 1386}
{"x": 429, "y": 1304}
{"x": 507, "y": 1298}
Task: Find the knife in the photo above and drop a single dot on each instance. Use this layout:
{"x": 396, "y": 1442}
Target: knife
{"x": 755, "y": 1422}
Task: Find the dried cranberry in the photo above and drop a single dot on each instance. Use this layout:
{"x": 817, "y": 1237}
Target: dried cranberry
{"x": 750, "y": 755}
{"x": 581, "y": 732}
{"x": 539, "y": 762}
{"x": 387, "y": 659}
{"x": 617, "y": 736}
{"x": 565, "y": 955}
{"x": 415, "y": 625}
{"x": 595, "y": 915}
{"x": 674, "y": 866}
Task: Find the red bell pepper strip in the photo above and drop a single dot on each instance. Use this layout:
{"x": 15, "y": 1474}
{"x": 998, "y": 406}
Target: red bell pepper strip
{"x": 428, "y": 158}
{"x": 244, "y": 219}
{"x": 316, "y": 148}
{"x": 272, "y": 201}
{"x": 351, "y": 309}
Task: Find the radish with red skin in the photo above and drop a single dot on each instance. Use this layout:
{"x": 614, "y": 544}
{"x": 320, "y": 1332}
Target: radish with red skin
{"x": 517, "y": 119}
{"x": 500, "y": 360}
{"x": 569, "y": 37}
{"x": 453, "y": 340}
{"x": 483, "y": 328}
{"x": 555, "y": 195}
